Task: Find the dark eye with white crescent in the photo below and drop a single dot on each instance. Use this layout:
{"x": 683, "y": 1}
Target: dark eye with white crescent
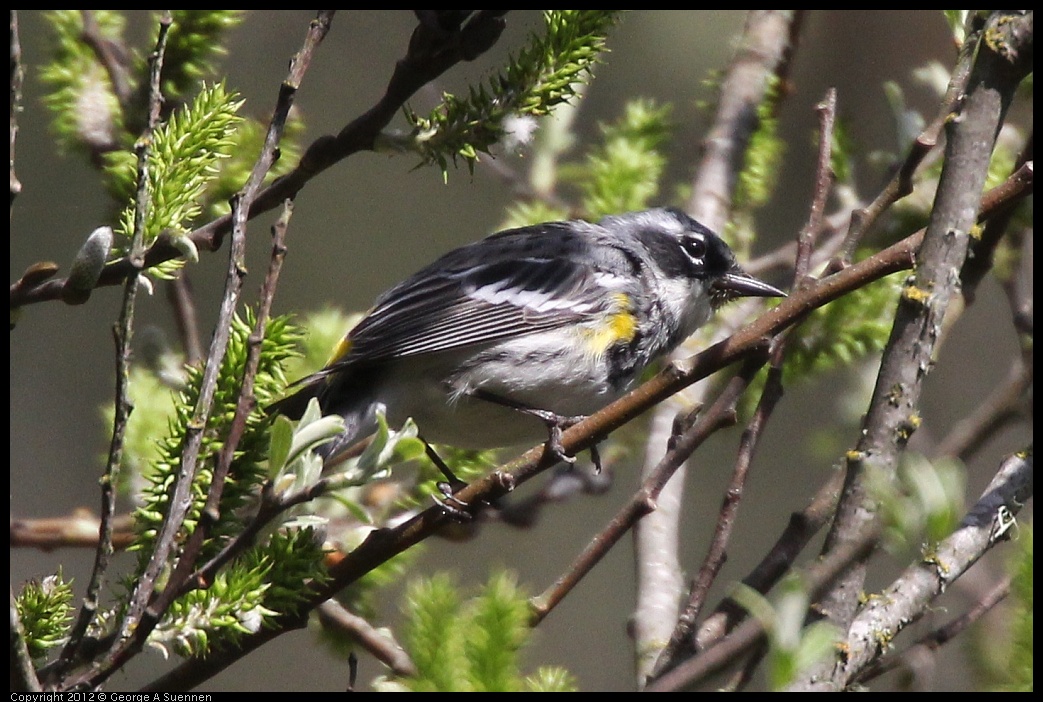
{"x": 694, "y": 246}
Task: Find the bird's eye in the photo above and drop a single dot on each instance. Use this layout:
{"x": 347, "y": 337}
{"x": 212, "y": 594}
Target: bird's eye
{"x": 694, "y": 246}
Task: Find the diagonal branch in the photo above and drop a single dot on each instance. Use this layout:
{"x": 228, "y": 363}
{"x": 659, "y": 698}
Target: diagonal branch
{"x": 905, "y": 600}
{"x": 908, "y": 598}
{"x": 430, "y": 54}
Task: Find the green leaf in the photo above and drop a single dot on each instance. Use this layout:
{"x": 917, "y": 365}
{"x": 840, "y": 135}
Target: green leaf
{"x": 194, "y": 43}
{"x": 793, "y": 647}
{"x": 434, "y": 636}
{"x": 182, "y": 163}
{"x": 282, "y": 439}
{"x": 472, "y": 645}
{"x": 313, "y": 431}
{"x": 499, "y": 626}
{"x": 45, "y": 610}
{"x": 923, "y": 505}
{"x": 623, "y": 174}
{"x": 957, "y": 20}
{"x": 544, "y": 74}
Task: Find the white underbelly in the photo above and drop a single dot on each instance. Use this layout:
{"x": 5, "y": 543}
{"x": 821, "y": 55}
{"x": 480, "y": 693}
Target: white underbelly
{"x": 439, "y": 402}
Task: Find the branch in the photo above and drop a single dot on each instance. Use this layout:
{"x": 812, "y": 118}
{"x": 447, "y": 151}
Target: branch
{"x": 80, "y": 529}
{"x": 645, "y": 500}
{"x": 430, "y": 54}
{"x": 908, "y": 598}
{"x": 893, "y": 414}
{"x": 179, "y": 295}
{"x": 122, "y": 336}
{"x": 17, "y": 76}
{"x": 385, "y": 649}
{"x": 940, "y": 636}
{"x": 111, "y": 56}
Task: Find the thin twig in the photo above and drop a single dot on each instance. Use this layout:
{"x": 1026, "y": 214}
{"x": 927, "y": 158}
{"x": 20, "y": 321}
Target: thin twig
{"x": 760, "y": 63}
{"x": 827, "y": 113}
{"x": 782, "y": 257}
{"x": 716, "y": 554}
{"x": 184, "y": 579}
{"x": 983, "y": 248}
{"x": 246, "y": 402}
{"x": 122, "y": 333}
{"x": 682, "y": 639}
{"x": 17, "y": 76}
{"x": 179, "y": 294}
{"x": 901, "y": 184}
{"x": 336, "y": 617}
{"x": 1018, "y": 289}
{"x": 720, "y": 414}
{"x": 180, "y": 499}
{"x": 800, "y": 529}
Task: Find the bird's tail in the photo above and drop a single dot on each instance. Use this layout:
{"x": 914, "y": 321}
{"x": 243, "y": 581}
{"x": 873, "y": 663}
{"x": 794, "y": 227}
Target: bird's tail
{"x": 292, "y": 406}
{"x": 358, "y": 411}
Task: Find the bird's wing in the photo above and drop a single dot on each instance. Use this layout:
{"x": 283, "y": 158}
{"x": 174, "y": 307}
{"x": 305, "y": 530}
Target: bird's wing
{"x": 510, "y": 284}
{"x": 439, "y": 310}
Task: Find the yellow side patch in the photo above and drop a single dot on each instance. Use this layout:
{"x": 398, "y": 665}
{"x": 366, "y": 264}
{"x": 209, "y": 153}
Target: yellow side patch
{"x": 619, "y": 327}
{"x": 340, "y": 351}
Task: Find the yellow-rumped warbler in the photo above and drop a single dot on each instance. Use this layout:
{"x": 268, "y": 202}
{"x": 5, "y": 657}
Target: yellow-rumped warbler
{"x": 554, "y": 320}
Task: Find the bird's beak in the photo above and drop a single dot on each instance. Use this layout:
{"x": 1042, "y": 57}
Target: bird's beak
{"x": 738, "y": 283}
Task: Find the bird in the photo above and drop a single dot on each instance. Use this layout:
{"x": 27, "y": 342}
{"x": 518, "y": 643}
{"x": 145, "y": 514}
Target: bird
{"x": 509, "y": 339}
